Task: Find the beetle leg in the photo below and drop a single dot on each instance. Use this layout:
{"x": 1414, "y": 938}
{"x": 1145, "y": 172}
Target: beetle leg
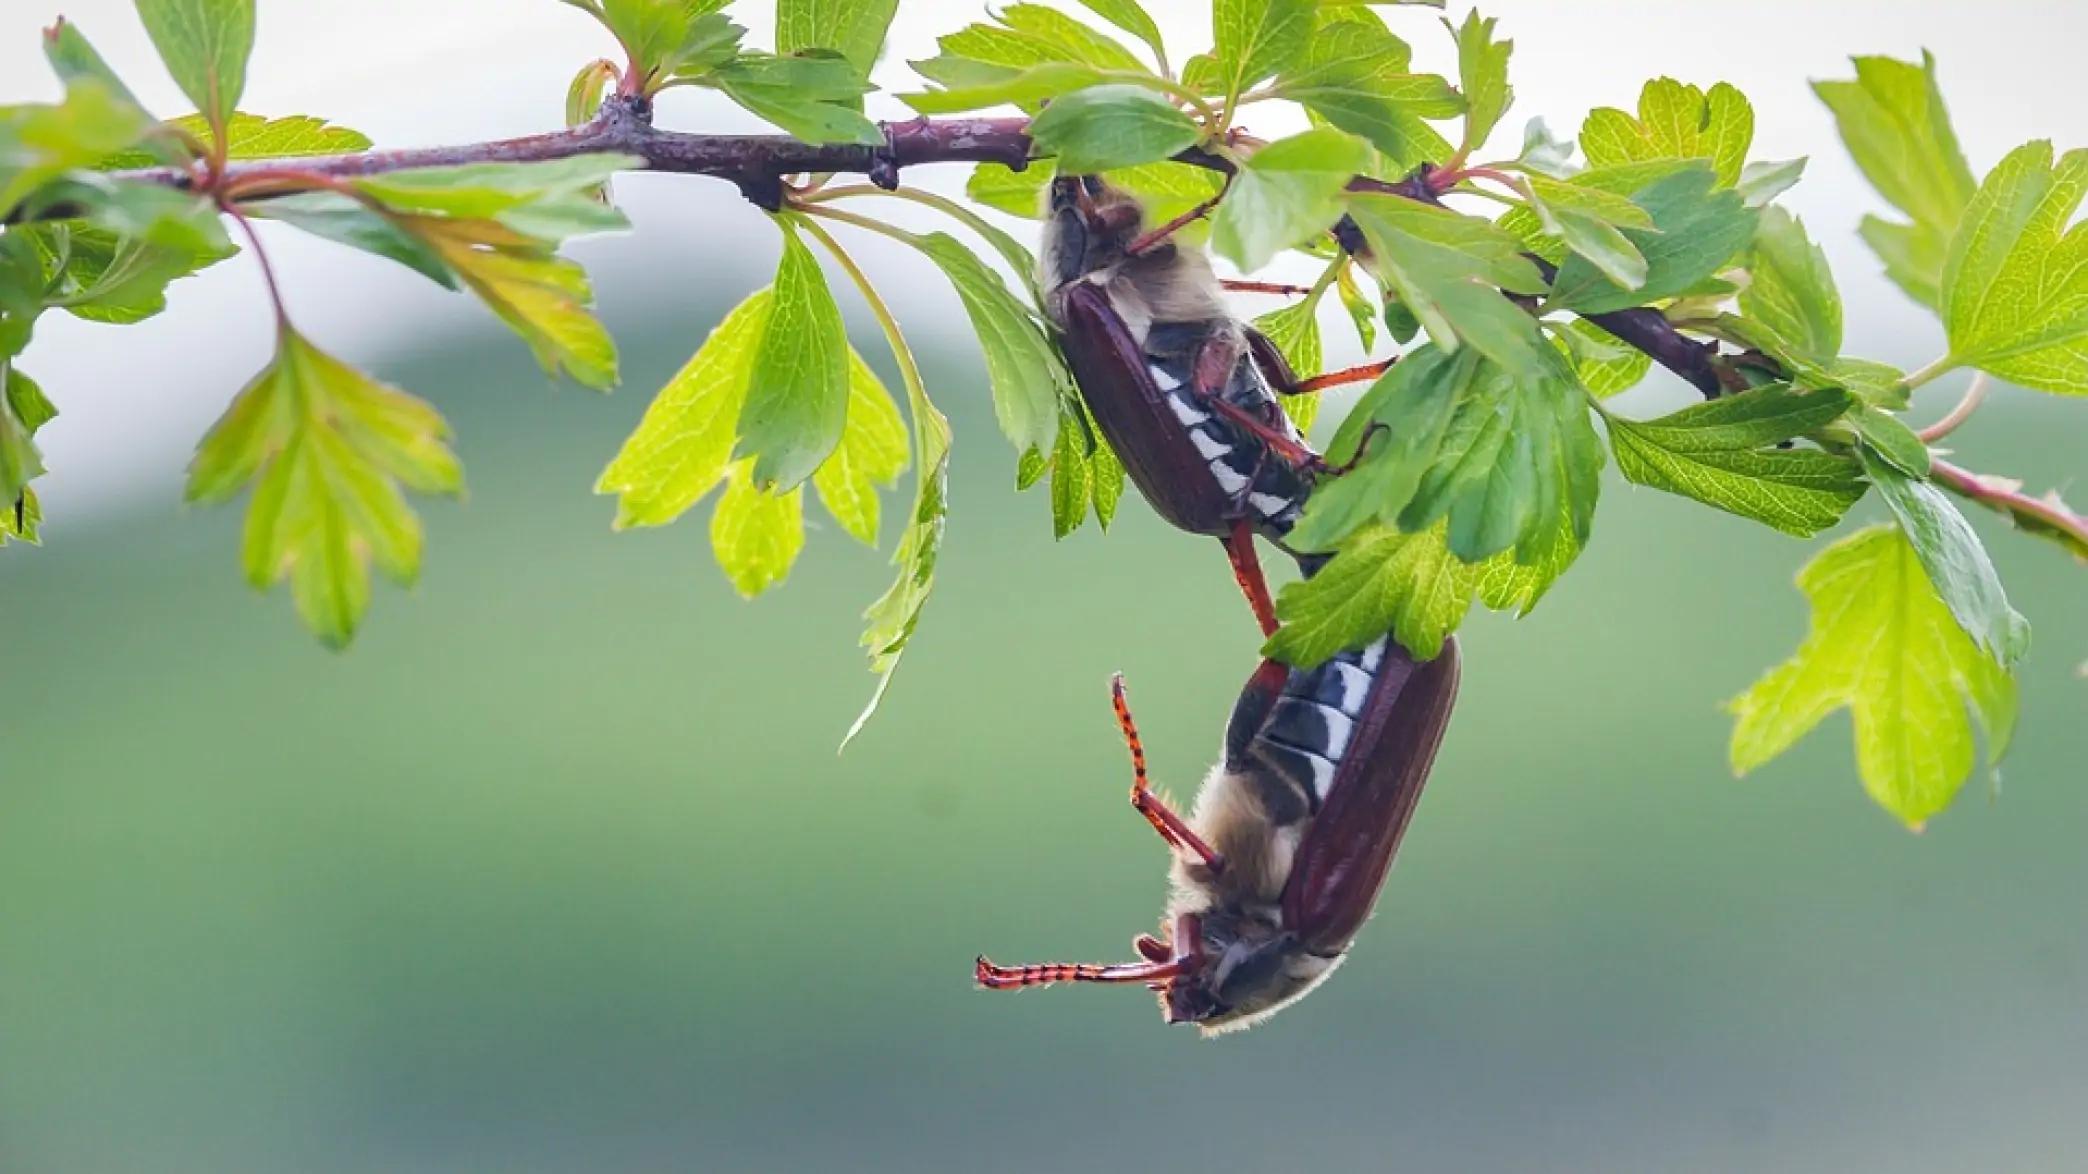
{"x": 1235, "y": 285}
{"x": 1163, "y": 962}
{"x": 1147, "y": 242}
{"x": 1172, "y": 828}
{"x": 1355, "y": 374}
{"x": 1290, "y": 450}
{"x": 1246, "y": 565}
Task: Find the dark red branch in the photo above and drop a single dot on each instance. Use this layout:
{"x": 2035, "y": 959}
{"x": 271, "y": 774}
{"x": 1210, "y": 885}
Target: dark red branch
{"x": 758, "y": 163}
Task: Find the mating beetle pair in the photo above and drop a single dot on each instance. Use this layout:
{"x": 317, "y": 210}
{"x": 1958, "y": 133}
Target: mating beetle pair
{"x": 1279, "y": 863}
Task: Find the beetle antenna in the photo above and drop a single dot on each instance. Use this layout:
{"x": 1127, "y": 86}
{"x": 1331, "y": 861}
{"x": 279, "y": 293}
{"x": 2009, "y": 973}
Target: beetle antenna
{"x": 1004, "y": 978}
{"x": 1172, "y": 828}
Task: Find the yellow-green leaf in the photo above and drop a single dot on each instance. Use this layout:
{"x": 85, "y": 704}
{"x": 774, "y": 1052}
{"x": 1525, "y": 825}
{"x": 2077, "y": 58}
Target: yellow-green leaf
{"x": 2015, "y": 285}
{"x": 1884, "y": 645}
{"x": 872, "y": 453}
{"x": 755, "y": 535}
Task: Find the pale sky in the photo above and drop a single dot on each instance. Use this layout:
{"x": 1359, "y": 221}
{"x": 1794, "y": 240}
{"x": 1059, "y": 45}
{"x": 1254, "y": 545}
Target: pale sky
{"x": 416, "y": 72}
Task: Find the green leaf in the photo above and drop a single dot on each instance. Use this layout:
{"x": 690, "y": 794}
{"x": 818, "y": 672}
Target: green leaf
{"x": 853, "y": 28}
{"x": 1675, "y": 121}
{"x": 681, "y": 448}
{"x": 1022, "y": 365}
{"x": 1079, "y": 42}
{"x": 1103, "y": 127}
{"x": 892, "y": 619}
{"x": 516, "y": 194}
{"x": 1482, "y": 68}
{"x": 1353, "y": 75}
{"x": 327, "y": 450}
{"x": 1018, "y": 193}
{"x": 756, "y": 536}
{"x": 542, "y": 297}
{"x": 1362, "y": 308}
{"x": 1604, "y": 363}
{"x": 1884, "y": 645}
{"x": 2015, "y": 286}
{"x": 814, "y": 99}
{"x": 1723, "y": 453}
{"x": 118, "y": 279}
{"x": 1381, "y": 581}
{"x": 1258, "y": 39}
{"x": 1791, "y": 294}
{"x": 1287, "y": 193}
{"x": 1450, "y": 270}
{"x": 1956, "y": 563}
{"x": 1028, "y": 89}
{"x": 872, "y": 453}
{"x": 23, "y": 409}
{"x": 341, "y": 219}
{"x": 1295, "y": 331}
{"x": 1886, "y": 436}
{"x": 797, "y": 400}
{"x": 584, "y": 93}
{"x": 1105, "y": 475}
{"x": 1893, "y": 121}
{"x": 663, "y": 36}
{"x": 1128, "y": 16}
{"x": 205, "y": 45}
{"x": 1763, "y": 181}
{"x": 1696, "y": 231}
{"x": 1587, "y": 221}
{"x": 1070, "y": 491}
{"x": 72, "y": 58}
{"x": 1030, "y": 469}
{"x": 1409, "y": 409}
{"x": 40, "y": 143}
{"x": 250, "y": 136}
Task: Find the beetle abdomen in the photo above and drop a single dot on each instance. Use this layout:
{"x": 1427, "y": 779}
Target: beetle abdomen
{"x": 1308, "y": 730}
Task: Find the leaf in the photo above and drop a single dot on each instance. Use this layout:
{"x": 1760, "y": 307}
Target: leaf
{"x": 1103, "y": 127}
{"x": 756, "y": 536}
{"x": 854, "y": 28}
{"x": 118, "y": 279}
{"x": 515, "y": 194}
{"x": 327, "y": 450}
{"x": 1893, "y": 121}
{"x": 1030, "y": 469}
{"x": 1723, "y": 453}
{"x": 1362, "y": 308}
{"x": 664, "y": 36}
{"x": 1028, "y": 89}
{"x": 1886, "y": 436}
{"x": 40, "y": 143}
{"x": 1287, "y": 193}
{"x": 1587, "y": 220}
{"x": 1791, "y": 294}
{"x": 1353, "y": 75}
{"x": 891, "y": 620}
{"x": 1886, "y": 647}
{"x": 1105, "y": 476}
{"x": 1128, "y": 16}
{"x": 1482, "y": 68}
{"x": 1696, "y": 231}
{"x": 205, "y": 45}
{"x": 1077, "y": 40}
{"x": 682, "y": 446}
{"x": 23, "y": 409}
{"x": 1675, "y": 121}
{"x": 813, "y": 99}
{"x": 1295, "y": 331}
{"x": 1604, "y": 363}
{"x": 541, "y": 296}
{"x": 1450, "y": 270}
{"x": 584, "y": 93}
{"x": 338, "y": 218}
{"x": 797, "y": 399}
{"x": 73, "y": 58}
{"x": 1257, "y": 39}
{"x": 1021, "y": 363}
{"x": 1070, "y": 491}
{"x": 1017, "y": 193}
{"x": 1763, "y": 181}
{"x": 1409, "y": 409}
{"x": 1381, "y": 581}
{"x": 250, "y": 136}
{"x": 2015, "y": 286}
{"x": 1956, "y": 563}
{"x": 872, "y": 453}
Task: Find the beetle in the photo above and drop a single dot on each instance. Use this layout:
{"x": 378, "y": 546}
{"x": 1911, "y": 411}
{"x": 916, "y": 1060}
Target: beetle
{"x": 1181, "y": 389}
{"x": 1281, "y": 859}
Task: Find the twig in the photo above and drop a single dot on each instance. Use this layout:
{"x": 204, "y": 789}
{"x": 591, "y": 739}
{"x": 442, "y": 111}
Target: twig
{"x": 1975, "y": 394}
{"x": 2018, "y": 505}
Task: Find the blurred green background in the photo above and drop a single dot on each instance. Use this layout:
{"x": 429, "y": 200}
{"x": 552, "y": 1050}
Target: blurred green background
{"x": 557, "y": 869}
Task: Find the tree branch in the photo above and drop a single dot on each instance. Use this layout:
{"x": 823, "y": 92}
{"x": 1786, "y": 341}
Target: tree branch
{"x": 758, "y": 163}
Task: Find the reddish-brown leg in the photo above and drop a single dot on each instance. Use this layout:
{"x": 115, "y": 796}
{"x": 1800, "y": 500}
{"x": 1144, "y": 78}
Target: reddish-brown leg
{"x": 1265, "y": 287}
{"x": 1283, "y": 446}
{"x": 1246, "y": 565}
{"x": 1337, "y": 378}
{"x": 1163, "y": 962}
{"x": 1146, "y": 242}
{"x": 1172, "y": 828}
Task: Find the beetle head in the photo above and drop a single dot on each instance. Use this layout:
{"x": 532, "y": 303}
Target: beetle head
{"x": 1238, "y": 968}
{"x": 1088, "y": 228}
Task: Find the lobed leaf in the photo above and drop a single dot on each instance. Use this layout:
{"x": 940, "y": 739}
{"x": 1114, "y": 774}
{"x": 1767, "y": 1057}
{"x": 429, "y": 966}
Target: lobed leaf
{"x": 1675, "y": 121}
{"x": 1790, "y": 294}
{"x": 1070, "y": 488}
{"x": 1450, "y": 271}
{"x": 756, "y": 535}
{"x": 1257, "y": 39}
{"x": 872, "y": 452}
{"x": 1723, "y": 453}
{"x": 1105, "y": 127}
{"x": 1697, "y": 229}
{"x": 1482, "y": 70}
{"x": 2015, "y": 283}
{"x": 1130, "y": 17}
{"x": 1285, "y": 194}
{"x": 1296, "y": 332}
{"x": 1382, "y": 580}
{"x": 1955, "y": 561}
{"x": 1884, "y": 645}
{"x": 853, "y": 28}
{"x": 326, "y": 450}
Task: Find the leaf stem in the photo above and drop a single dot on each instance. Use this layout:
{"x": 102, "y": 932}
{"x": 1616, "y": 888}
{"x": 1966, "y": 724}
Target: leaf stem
{"x": 1975, "y": 395}
{"x": 1929, "y": 374}
{"x": 268, "y": 273}
{"x": 926, "y": 199}
{"x": 868, "y": 223}
{"x": 2015, "y": 503}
